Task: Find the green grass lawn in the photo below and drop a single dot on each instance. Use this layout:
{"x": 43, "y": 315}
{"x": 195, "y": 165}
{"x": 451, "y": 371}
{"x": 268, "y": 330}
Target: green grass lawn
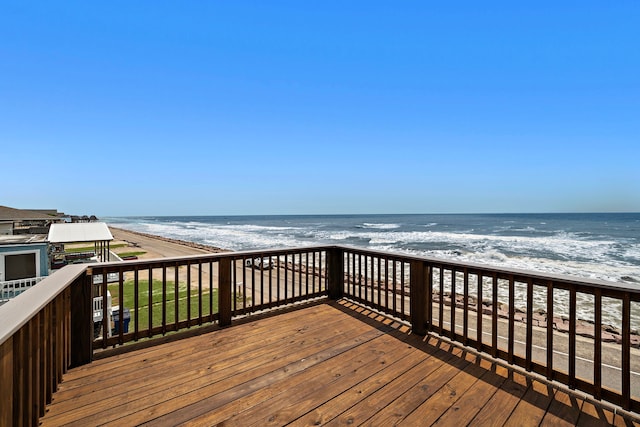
{"x": 156, "y": 302}
{"x": 92, "y": 248}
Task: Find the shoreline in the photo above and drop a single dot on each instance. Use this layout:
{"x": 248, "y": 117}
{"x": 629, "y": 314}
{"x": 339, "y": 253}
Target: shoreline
{"x": 161, "y": 246}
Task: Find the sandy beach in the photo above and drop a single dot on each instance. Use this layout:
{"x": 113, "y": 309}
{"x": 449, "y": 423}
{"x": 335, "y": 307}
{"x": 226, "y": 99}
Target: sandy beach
{"x": 156, "y": 246}
{"x": 147, "y": 246}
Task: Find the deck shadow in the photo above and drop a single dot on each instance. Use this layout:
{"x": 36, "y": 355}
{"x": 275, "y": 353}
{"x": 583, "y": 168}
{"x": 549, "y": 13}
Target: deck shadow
{"x": 551, "y": 398}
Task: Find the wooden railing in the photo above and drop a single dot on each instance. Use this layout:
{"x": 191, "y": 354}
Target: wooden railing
{"x": 43, "y": 332}
{"x": 168, "y": 295}
{"x": 496, "y": 311}
{"x": 12, "y": 288}
{"x": 526, "y": 319}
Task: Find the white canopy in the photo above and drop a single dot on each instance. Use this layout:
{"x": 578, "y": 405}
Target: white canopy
{"x": 79, "y": 232}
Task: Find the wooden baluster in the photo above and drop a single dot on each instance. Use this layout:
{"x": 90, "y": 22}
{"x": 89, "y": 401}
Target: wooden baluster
{"x": 512, "y": 312}
{"x": 402, "y": 312}
{"x": 106, "y": 318}
{"x": 164, "y": 299}
{"x": 120, "y": 330}
{"x": 429, "y": 295}
{"x": 550, "y": 311}
{"x": 626, "y": 351}
{"x": 379, "y": 282}
{"x": 529, "y": 339}
{"x": 452, "y": 320}
{"x": 188, "y": 294}
{"x": 572, "y": 338}
{"x": 254, "y": 265}
{"x": 479, "y": 313}
{"x": 597, "y": 352}
{"x": 441, "y": 303}
{"x": 176, "y": 292}
{"x": 494, "y": 317}
{"x": 211, "y": 291}
{"x": 150, "y": 303}
{"x": 417, "y": 298}
{"x": 200, "y": 295}
{"x": 465, "y": 308}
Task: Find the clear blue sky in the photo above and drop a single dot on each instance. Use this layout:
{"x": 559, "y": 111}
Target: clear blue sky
{"x": 292, "y": 107}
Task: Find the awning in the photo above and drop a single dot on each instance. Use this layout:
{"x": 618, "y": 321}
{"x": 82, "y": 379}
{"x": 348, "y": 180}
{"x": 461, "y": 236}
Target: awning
{"x": 79, "y": 232}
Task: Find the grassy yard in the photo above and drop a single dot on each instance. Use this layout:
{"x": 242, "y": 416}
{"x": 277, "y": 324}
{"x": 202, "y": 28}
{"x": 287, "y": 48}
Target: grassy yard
{"x": 91, "y": 248}
{"x": 156, "y": 305}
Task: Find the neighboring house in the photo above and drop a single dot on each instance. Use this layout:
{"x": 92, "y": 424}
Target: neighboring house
{"x": 22, "y": 221}
{"x": 26, "y": 255}
{"x": 6, "y": 228}
{"x": 24, "y": 250}
{"x": 24, "y": 261}
{"x": 23, "y": 256}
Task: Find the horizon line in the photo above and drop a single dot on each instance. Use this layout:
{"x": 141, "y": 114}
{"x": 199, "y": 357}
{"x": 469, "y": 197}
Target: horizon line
{"x": 376, "y": 214}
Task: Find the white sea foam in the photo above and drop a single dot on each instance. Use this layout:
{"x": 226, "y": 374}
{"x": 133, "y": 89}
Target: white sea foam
{"x": 563, "y": 246}
{"x": 380, "y": 226}
{"x": 562, "y": 253}
{"x": 577, "y": 254}
{"x": 632, "y": 253}
{"x": 234, "y": 237}
{"x": 565, "y": 253}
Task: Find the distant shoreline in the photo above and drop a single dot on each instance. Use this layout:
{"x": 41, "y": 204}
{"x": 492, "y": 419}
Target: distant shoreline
{"x": 209, "y": 248}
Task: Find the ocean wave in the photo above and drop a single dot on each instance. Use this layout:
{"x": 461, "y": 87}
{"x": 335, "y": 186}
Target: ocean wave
{"x": 228, "y": 237}
{"x": 379, "y": 226}
{"x": 578, "y": 251}
{"x": 562, "y": 252}
{"x": 632, "y": 253}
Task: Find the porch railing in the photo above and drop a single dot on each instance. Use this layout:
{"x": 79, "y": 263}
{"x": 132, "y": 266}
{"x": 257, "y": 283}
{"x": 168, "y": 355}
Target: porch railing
{"x": 171, "y": 294}
{"x": 549, "y": 325}
{"x": 12, "y": 288}
{"x": 43, "y": 332}
{"x": 581, "y": 333}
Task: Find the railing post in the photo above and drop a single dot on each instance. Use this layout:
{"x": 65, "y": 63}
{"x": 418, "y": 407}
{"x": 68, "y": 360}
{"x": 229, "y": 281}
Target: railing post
{"x": 81, "y": 320}
{"x": 224, "y": 291}
{"x": 418, "y": 297}
{"x": 335, "y": 273}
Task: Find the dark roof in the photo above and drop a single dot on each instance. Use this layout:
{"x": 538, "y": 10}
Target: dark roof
{"x": 23, "y": 239}
{"x": 11, "y": 214}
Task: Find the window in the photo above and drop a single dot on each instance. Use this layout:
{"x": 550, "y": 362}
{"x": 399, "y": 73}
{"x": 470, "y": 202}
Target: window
{"x": 21, "y": 266}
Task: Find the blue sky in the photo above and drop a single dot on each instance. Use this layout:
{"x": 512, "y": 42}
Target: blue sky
{"x": 294, "y": 107}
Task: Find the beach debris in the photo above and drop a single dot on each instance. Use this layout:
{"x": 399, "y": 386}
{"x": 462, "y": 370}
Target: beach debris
{"x": 260, "y": 263}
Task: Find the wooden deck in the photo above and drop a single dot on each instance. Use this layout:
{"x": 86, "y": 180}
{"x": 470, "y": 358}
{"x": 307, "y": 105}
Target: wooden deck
{"x": 326, "y": 364}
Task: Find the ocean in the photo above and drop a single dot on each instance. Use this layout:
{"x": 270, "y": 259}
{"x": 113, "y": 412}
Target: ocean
{"x": 602, "y": 246}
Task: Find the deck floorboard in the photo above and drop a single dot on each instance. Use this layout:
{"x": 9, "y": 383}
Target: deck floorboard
{"x": 327, "y": 364}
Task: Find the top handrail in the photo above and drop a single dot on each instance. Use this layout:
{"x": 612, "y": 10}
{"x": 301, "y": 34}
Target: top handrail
{"x": 19, "y": 310}
{"x": 217, "y": 255}
{"x": 470, "y": 266}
